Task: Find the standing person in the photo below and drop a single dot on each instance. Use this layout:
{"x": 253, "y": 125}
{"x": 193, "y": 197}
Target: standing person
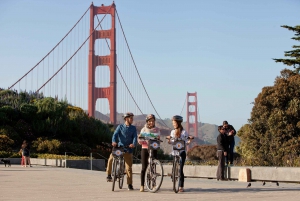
{"x": 222, "y": 147}
{"x": 27, "y": 145}
{"x": 230, "y": 132}
{"x": 26, "y": 155}
{"x": 179, "y": 132}
{"x": 124, "y": 135}
{"x": 147, "y": 129}
{"x": 22, "y": 155}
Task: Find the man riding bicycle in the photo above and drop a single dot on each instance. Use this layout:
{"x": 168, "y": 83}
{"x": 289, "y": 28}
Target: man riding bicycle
{"x": 124, "y": 135}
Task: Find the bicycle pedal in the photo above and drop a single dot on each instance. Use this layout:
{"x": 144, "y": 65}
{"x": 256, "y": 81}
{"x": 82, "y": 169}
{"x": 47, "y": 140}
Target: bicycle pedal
{"x": 169, "y": 174}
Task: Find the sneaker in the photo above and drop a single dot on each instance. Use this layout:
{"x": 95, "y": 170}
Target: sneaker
{"x": 142, "y": 189}
{"x": 130, "y": 187}
{"x": 109, "y": 178}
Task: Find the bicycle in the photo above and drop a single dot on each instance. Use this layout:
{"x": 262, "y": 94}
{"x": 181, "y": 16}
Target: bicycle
{"x": 178, "y": 145}
{"x": 154, "y": 171}
{"x": 118, "y": 167}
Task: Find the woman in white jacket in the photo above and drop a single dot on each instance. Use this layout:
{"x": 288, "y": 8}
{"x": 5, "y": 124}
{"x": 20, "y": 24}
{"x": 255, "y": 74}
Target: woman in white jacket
{"x": 179, "y": 132}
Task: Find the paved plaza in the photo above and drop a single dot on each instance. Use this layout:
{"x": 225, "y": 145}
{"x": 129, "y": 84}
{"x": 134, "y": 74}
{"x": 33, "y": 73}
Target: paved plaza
{"x": 52, "y": 183}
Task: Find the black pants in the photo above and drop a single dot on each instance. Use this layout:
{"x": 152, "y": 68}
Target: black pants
{"x": 221, "y": 164}
{"x": 144, "y": 160}
{"x": 182, "y": 161}
{"x": 229, "y": 157}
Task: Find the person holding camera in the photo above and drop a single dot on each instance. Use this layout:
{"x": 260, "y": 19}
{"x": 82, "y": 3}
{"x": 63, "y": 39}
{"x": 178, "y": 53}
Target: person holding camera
{"x": 230, "y": 132}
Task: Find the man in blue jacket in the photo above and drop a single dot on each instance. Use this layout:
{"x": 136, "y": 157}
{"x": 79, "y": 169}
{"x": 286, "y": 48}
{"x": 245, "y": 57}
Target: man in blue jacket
{"x": 124, "y": 135}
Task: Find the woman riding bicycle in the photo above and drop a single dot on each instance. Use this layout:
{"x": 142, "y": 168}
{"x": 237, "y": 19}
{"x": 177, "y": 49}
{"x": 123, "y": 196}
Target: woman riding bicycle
{"x": 179, "y": 132}
{"x": 148, "y": 129}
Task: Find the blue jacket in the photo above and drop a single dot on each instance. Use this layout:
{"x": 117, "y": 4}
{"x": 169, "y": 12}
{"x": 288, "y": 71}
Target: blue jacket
{"x": 125, "y": 135}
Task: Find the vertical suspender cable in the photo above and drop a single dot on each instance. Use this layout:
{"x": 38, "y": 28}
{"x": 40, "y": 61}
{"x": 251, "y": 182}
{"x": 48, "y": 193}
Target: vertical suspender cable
{"x": 137, "y": 70}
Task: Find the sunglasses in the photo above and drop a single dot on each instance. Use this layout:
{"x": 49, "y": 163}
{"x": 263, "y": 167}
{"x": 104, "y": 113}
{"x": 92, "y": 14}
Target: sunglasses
{"x": 222, "y": 128}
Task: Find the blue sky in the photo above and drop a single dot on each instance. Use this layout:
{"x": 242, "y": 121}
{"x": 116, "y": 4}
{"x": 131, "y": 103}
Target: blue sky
{"x": 221, "y": 49}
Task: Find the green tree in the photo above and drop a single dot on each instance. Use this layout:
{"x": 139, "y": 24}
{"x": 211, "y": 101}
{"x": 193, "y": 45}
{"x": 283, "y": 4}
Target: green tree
{"x": 295, "y": 53}
{"x": 273, "y": 135}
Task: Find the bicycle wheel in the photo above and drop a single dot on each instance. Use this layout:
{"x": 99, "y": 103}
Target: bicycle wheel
{"x": 154, "y": 176}
{"x": 176, "y": 175}
{"x": 121, "y": 174}
{"x": 115, "y": 162}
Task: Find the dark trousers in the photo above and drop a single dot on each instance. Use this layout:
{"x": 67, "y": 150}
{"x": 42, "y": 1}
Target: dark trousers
{"x": 221, "y": 165}
{"x": 182, "y": 161}
{"x": 144, "y": 160}
{"x": 229, "y": 157}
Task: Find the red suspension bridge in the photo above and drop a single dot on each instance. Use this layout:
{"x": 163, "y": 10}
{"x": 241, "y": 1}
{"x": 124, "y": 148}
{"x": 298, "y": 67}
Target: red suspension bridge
{"x": 94, "y": 60}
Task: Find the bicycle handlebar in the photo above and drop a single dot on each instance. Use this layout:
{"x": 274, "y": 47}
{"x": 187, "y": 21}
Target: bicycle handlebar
{"x": 149, "y": 138}
{"x": 189, "y": 138}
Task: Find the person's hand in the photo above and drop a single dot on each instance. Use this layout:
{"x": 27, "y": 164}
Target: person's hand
{"x": 114, "y": 144}
{"x": 225, "y": 153}
{"x": 131, "y": 145}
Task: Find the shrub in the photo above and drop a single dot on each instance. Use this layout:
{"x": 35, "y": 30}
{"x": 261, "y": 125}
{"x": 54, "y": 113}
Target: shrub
{"x": 203, "y": 153}
{"x": 47, "y": 146}
{"x": 75, "y": 148}
{"x": 5, "y": 143}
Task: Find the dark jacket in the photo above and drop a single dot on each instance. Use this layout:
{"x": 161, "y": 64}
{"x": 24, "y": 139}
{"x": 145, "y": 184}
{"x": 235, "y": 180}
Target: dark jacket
{"x": 230, "y": 138}
{"x": 222, "y": 142}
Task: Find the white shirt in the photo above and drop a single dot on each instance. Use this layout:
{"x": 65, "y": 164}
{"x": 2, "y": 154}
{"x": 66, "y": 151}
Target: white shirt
{"x": 184, "y": 135}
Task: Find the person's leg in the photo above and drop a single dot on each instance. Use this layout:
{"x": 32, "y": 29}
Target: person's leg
{"x": 144, "y": 160}
{"x": 227, "y": 157}
{"x": 182, "y": 161}
{"x": 128, "y": 167}
{"x": 22, "y": 161}
{"x": 25, "y": 161}
{"x": 220, "y": 170}
{"x": 109, "y": 165}
{"x": 231, "y": 149}
{"x": 29, "y": 159}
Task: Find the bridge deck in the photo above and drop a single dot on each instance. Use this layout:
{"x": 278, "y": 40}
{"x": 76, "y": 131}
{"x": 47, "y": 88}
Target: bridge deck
{"x": 46, "y": 183}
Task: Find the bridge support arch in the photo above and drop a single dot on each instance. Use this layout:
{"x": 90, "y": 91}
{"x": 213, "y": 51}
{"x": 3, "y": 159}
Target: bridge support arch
{"x": 192, "y": 116}
{"x": 109, "y": 60}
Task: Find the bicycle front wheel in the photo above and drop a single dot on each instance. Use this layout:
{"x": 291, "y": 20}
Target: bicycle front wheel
{"x": 154, "y": 176}
{"x": 176, "y": 175}
{"x": 115, "y": 163}
{"x": 121, "y": 173}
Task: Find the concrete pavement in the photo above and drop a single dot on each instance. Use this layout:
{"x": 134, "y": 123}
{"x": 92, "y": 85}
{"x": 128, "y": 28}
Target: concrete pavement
{"x": 52, "y": 183}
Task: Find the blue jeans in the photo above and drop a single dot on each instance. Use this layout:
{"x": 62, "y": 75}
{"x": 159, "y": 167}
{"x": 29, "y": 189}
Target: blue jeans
{"x": 230, "y": 153}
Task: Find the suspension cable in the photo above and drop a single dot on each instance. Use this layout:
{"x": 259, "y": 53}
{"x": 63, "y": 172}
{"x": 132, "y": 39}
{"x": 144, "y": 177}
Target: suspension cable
{"x": 122, "y": 75}
{"x": 183, "y": 106}
{"x": 75, "y": 52}
{"x": 137, "y": 69}
{"x": 50, "y": 50}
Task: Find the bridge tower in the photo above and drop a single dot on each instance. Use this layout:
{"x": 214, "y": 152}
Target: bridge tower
{"x": 192, "y": 115}
{"x": 109, "y": 60}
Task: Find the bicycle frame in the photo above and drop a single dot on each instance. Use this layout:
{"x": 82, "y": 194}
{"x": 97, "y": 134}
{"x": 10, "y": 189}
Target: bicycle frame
{"x": 154, "y": 171}
{"x": 118, "y": 167}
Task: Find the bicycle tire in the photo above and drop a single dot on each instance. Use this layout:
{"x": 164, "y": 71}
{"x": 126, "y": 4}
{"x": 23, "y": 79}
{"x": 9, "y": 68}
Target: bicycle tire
{"x": 176, "y": 175}
{"x": 154, "y": 176}
{"x": 121, "y": 174}
{"x": 115, "y": 161}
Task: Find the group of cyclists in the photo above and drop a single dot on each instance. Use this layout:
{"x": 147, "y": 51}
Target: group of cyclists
{"x": 126, "y": 135}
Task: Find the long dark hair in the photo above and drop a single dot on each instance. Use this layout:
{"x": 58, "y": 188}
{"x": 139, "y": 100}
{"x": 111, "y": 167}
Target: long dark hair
{"x": 179, "y": 128}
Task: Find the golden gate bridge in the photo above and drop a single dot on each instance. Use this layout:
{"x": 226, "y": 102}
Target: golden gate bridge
{"x": 94, "y": 60}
